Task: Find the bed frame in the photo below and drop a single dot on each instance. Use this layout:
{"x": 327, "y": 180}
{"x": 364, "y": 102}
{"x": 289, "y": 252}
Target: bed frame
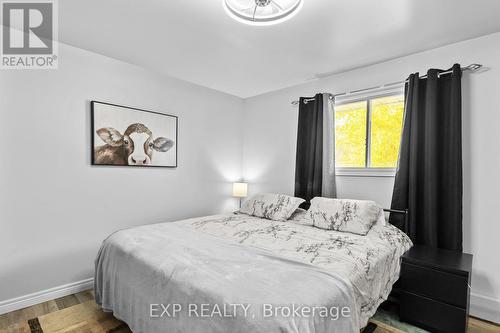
{"x": 404, "y": 227}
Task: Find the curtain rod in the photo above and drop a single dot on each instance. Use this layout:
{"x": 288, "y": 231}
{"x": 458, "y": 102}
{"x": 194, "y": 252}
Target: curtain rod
{"x": 471, "y": 67}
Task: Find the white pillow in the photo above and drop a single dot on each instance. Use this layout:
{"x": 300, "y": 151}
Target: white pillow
{"x": 278, "y": 207}
{"x": 381, "y": 220}
{"x": 354, "y": 216}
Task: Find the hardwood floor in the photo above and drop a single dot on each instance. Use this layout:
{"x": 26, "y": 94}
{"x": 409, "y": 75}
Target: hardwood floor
{"x": 79, "y": 313}
{"x": 76, "y": 313}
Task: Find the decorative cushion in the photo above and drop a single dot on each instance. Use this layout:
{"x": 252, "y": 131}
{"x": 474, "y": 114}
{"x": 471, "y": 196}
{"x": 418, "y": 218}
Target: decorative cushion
{"x": 354, "y": 216}
{"x": 278, "y": 207}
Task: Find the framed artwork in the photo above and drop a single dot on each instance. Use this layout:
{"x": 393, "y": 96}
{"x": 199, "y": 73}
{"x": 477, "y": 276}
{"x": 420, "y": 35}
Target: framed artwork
{"x": 125, "y": 136}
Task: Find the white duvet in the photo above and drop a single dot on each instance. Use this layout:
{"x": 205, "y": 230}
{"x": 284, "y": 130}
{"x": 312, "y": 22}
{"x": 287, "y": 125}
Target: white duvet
{"x": 370, "y": 263}
{"x": 238, "y": 259}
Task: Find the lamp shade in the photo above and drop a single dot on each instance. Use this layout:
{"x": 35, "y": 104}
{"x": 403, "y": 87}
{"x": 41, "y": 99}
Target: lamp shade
{"x": 240, "y": 190}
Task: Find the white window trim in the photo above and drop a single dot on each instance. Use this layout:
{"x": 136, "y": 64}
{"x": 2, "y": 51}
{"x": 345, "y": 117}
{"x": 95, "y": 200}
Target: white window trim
{"x": 351, "y": 98}
{"x": 365, "y": 172}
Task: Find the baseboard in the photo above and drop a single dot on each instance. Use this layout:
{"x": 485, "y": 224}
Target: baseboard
{"x": 484, "y": 307}
{"x": 45, "y": 295}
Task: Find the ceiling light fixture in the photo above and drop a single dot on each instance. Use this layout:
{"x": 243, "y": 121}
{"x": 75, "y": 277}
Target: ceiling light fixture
{"x": 262, "y": 12}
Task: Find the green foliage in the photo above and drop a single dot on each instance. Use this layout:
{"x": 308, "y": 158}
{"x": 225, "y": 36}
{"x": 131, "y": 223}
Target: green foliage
{"x": 385, "y": 132}
{"x": 386, "y": 128}
{"x": 350, "y": 134}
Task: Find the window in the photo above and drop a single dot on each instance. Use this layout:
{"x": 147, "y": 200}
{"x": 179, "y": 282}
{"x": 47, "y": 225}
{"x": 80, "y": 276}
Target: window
{"x": 368, "y": 132}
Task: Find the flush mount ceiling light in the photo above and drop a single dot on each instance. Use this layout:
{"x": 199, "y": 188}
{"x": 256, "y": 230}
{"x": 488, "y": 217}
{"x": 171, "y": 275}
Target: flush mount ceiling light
{"x": 262, "y": 12}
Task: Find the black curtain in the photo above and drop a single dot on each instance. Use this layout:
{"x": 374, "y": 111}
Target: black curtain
{"x": 309, "y": 161}
{"x": 429, "y": 177}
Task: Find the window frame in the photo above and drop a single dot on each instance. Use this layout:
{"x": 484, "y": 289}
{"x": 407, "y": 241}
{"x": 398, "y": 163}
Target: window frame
{"x": 367, "y": 171}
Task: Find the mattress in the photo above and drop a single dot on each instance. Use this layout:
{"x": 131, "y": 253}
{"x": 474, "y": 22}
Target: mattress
{"x": 233, "y": 259}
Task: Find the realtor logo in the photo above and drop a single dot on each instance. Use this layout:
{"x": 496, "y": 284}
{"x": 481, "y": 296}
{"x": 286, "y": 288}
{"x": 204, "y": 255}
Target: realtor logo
{"x": 29, "y": 34}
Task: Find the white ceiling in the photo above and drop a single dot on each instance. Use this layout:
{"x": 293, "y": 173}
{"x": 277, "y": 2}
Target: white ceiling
{"x": 196, "y": 41}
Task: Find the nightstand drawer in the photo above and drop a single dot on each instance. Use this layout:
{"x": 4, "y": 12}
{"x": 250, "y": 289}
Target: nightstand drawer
{"x": 432, "y": 315}
{"x": 440, "y": 286}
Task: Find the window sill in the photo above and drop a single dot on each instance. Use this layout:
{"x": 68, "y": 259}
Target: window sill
{"x": 365, "y": 172}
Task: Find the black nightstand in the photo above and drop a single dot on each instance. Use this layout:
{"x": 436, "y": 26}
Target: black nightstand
{"x": 435, "y": 289}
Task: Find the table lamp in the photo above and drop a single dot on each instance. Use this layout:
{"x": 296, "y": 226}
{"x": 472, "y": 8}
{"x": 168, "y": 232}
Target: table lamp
{"x": 240, "y": 190}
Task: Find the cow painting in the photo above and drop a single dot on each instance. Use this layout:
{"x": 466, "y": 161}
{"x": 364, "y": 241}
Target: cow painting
{"x": 134, "y": 147}
{"x": 132, "y": 137}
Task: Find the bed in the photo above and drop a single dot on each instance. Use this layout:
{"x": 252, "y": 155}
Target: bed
{"x": 210, "y": 268}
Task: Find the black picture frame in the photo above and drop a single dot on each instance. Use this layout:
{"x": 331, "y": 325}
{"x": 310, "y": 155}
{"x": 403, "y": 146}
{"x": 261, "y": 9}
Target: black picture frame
{"x": 93, "y": 104}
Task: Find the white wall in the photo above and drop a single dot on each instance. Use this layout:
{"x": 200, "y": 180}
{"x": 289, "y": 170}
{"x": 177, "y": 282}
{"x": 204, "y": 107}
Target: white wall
{"x": 55, "y": 208}
{"x": 270, "y": 139}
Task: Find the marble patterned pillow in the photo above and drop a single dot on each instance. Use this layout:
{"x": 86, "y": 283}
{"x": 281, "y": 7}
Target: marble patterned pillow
{"x": 278, "y": 207}
{"x": 354, "y": 216}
